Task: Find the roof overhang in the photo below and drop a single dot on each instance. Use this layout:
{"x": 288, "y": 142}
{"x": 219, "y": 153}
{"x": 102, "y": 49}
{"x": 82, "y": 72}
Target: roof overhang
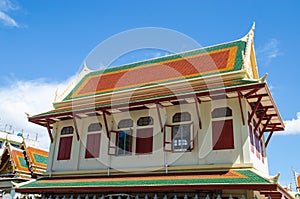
{"x": 254, "y": 92}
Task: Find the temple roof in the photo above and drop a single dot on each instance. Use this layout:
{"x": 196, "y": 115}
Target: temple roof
{"x": 23, "y": 163}
{"x": 245, "y": 179}
{"x": 226, "y": 69}
{"x": 188, "y": 65}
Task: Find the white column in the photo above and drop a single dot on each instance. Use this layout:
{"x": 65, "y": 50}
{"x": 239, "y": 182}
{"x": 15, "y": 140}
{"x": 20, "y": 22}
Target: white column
{"x": 196, "y": 196}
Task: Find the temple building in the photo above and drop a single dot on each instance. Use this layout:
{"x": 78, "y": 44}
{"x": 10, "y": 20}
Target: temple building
{"x": 21, "y": 160}
{"x": 190, "y": 125}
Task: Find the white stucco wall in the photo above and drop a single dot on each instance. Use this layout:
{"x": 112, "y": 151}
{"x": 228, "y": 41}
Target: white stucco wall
{"x": 202, "y": 154}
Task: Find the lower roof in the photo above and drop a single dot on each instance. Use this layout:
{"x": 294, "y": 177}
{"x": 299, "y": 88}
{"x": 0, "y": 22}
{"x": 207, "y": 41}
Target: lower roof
{"x": 231, "y": 179}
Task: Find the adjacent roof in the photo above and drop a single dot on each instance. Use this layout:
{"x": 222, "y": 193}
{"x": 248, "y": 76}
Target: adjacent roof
{"x": 37, "y": 159}
{"x": 23, "y": 163}
{"x": 230, "y": 179}
{"x": 14, "y": 162}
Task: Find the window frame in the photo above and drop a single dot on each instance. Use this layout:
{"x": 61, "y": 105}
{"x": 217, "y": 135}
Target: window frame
{"x": 169, "y": 139}
{"x": 67, "y": 149}
{"x": 114, "y": 137}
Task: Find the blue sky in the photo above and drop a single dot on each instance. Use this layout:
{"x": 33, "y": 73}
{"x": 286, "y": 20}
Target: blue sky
{"x": 43, "y": 45}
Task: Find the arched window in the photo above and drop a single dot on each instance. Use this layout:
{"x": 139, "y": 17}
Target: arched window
{"x": 125, "y": 123}
{"x": 93, "y": 140}
{"x": 95, "y": 127}
{"x": 145, "y": 121}
{"x": 65, "y": 143}
{"x": 181, "y": 117}
{"x": 144, "y": 135}
{"x": 222, "y": 129}
{"x": 221, "y": 112}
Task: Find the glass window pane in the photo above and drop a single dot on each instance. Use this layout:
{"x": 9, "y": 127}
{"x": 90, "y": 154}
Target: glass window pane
{"x": 124, "y": 143}
{"x": 221, "y": 112}
{"x": 95, "y": 127}
{"x": 145, "y": 121}
{"x": 126, "y": 123}
{"x": 181, "y": 137}
{"x": 67, "y": 130}
{"x": 182, "y": 117}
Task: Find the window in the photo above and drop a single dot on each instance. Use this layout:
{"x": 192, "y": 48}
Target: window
{"x": 67, "y": 130}
{"x": 182, "y": 117}
{"x": 124, "y": 143}
{"x": 126, "y": 123}
{"x": 179, "y": 137}
{"x": 93, "y": 141}
{"x": 145, "y": 121}
{"x": 221, "y": 112}
{"x": 65, "y": 143}
{"x": 94, "y": 127}
{"x": 222, "y": 129}
{"x": 120, "y": 142}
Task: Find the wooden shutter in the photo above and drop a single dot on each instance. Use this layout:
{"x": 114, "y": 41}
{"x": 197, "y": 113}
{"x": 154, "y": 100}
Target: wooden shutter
{"x": 251, "y": 138}
{"x": 64, "y": 149}
{"x": 222, "y": 135}
{"x": 144, "y": 141}
{"x": 112, "y": 148}
{"x": 168, "y": 138}
{"x": 93, "y": 145}
{"x": 192, "y": 136}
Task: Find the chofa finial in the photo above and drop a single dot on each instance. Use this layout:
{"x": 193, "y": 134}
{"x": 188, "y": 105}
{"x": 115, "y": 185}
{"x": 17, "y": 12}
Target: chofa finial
{"x": 249, "y": 36}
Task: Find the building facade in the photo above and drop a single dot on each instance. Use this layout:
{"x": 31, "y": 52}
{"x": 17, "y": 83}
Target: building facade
{"x": 190, "y": 125}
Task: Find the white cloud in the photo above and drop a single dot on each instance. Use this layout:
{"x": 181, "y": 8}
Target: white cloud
{"x": 291, "y": 126}
{"x": 268, "y": 51}
{"x": 7, "y": 20}
{"x": 32, "y": 97}
{"x": 5, "y": 7}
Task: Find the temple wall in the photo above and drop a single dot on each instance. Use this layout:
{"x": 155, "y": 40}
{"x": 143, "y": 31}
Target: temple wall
{"x": 202, "y": 154}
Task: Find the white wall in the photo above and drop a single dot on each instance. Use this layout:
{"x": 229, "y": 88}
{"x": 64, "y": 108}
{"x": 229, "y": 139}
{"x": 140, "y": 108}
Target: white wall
{"x": 201, "y": 155}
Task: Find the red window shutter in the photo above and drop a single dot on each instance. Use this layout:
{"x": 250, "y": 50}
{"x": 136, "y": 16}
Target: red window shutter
{"x": 222, "y": 135}
{"x": 64, "y": 149}
{"x": 93, "y": 145}
{"x": 251, "y": 138}
{"x": 144, "y": 141}
{"x": 257, "y": 147}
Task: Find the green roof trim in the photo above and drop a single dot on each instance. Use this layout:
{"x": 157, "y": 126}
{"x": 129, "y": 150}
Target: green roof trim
{"x": 40, "y": 158}
{"x": 22, "y": 162}
{"x": 249, "y": 177}
{"x": 237, "y": 66}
